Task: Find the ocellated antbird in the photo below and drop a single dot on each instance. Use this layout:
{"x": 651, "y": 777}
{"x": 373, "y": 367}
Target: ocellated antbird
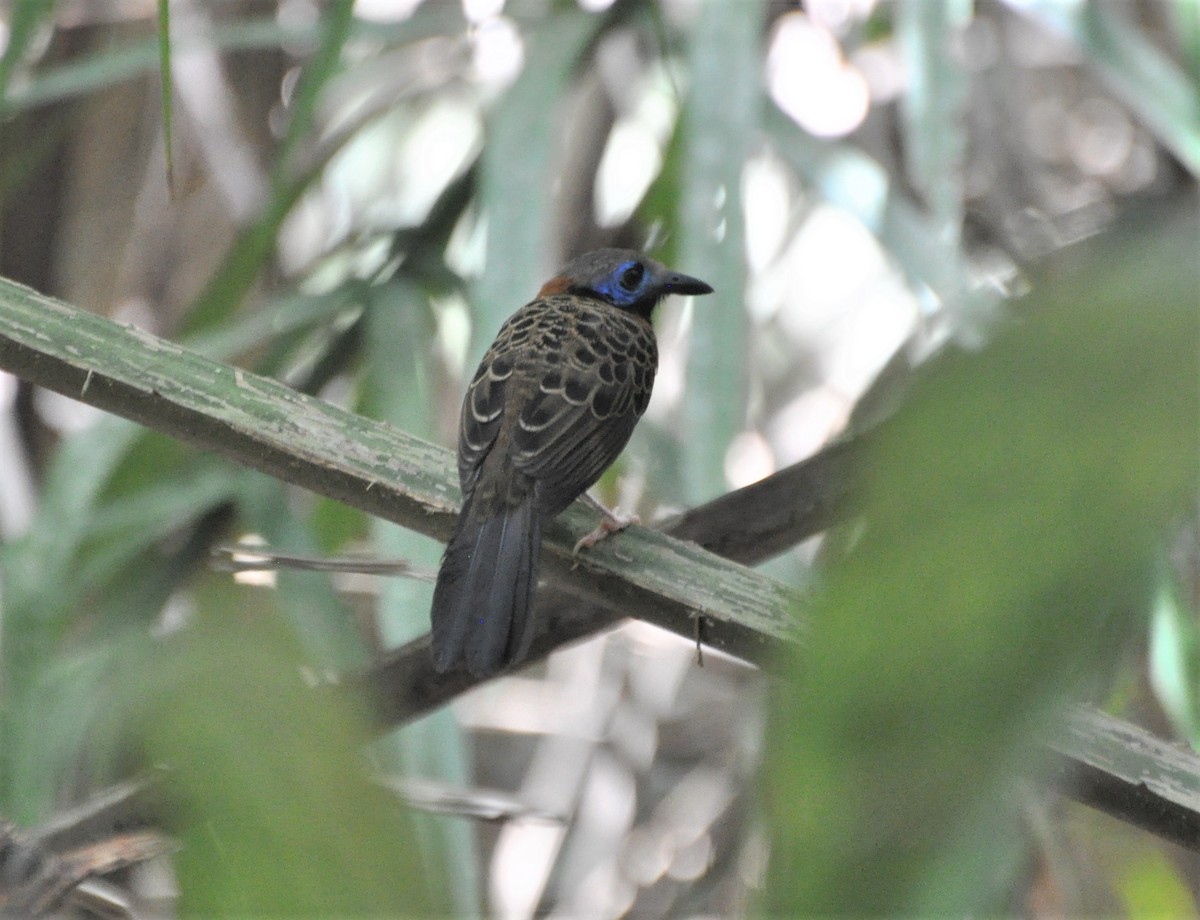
{"x": 552, "y": 404}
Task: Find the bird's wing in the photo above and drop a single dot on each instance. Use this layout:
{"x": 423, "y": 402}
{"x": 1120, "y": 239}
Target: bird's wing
{"x": 483, "y": 408}
{"x": 583, "y": 411}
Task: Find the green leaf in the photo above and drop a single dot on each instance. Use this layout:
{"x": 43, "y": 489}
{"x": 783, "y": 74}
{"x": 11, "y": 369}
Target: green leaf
{"x": 321, "y": 620}
{"x": 25, "y": 17}
{"x": 38, "y": 568}
{"x": 120, "y": 531}
{"x": 1150, "y": 886}
{"x": 102, "y": 69}
{"x": 104, "y": 502}
{"x": 164, "y": 69}
{"x": 336, "y": 23}
{"x": 1011, "y": 517}
{"x": 90, "y": 73}
{"x": 932, "y": 109}
{"x": 720, "y": 121}
{"x": 107, "y": 466}
{"x": 398, "y": 389}
{"x": 96, "y": 578}
{"x": 75, "y": 694}
{"x": 1186, "y": 14}
{"x": 272, "y": 806}
{"x": 255, "y": 246}
{"x": 1175, "y": 659}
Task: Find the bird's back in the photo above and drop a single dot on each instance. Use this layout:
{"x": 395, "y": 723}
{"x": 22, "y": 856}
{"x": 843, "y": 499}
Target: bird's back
{"x": 554, "y": 401}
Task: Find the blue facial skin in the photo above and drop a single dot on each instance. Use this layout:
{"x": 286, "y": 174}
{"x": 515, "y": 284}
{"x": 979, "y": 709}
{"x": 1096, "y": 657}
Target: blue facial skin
{"x": 624, "y": 287}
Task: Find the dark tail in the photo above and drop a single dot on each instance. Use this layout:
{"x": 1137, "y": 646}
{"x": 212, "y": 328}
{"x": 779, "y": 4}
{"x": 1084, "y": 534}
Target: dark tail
{"x": 483, "y": 602}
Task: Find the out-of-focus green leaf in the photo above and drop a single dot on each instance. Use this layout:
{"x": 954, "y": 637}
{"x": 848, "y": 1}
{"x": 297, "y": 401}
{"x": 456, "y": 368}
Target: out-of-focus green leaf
{"x": 720, "y": 121}
{"x": 254, "y": 246}
{"x": 164, "y": 68}
{"x": 74, "y": 693}
{"x": 277, "y": 319}
{"x": 1012, "y": 514}
{"x": 320, "y": 619}
{"x": 514, "y": 187}
{"x": 120, "y": 531}
{"x": 1139, "y": 73}
{"x": 98, "y": 513}
{"x": 1151, "y": 887}
{"x": 90, "y": 73}
{"x": 398, "y": 388}
{"x": 336, "y": 23}
{"x": 103, "y": 571}
{"x": 23, "y": 20}
{"x": 664, "y": 477}
{"x": 270, "y": 798}
{"x": 41, "y": 571}
{"x": 92, "y": 469}
{"x": 38, "y": 568}
{"x": 1175, "y": 660}
{"x": 934, "y": 129}
{"x": 1186, "y": 14}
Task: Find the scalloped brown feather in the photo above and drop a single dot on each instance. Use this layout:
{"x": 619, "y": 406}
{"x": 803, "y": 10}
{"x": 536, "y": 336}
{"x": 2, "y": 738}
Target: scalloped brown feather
{"x": 553, "y": 403}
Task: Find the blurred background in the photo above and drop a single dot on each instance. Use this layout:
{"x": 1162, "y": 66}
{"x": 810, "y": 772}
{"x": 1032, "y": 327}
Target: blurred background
{"x": 353, "y": 196}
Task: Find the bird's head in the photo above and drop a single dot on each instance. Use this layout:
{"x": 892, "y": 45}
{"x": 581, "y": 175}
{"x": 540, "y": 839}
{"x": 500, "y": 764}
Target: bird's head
{"x": 624, "y": 278}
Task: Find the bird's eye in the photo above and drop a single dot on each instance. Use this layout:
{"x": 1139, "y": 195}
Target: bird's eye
{"x": 632, "y": 276}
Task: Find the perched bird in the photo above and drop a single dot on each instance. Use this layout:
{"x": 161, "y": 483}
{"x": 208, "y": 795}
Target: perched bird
{"x": 552, "y": 404}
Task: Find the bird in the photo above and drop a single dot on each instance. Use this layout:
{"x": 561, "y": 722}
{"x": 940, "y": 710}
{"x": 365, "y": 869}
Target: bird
{"x": 553, "y": 403}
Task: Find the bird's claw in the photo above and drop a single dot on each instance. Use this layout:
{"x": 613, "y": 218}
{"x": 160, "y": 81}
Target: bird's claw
{"x": 610, "y": 523}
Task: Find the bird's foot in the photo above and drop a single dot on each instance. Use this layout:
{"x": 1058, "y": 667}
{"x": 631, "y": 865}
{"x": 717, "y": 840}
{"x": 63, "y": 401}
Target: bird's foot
{"x": 610, "y": 523}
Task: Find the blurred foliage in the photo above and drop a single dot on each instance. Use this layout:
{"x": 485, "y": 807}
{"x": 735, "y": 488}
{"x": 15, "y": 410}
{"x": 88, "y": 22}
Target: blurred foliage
{"x": 724, "y": 53}
{"x": 164, "y": 68}
{"x": 274, "y": 811}
{"x": 1013, "y": 513}
{"x": 360, "y": 195}
{"x": 1174, "y": 657}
